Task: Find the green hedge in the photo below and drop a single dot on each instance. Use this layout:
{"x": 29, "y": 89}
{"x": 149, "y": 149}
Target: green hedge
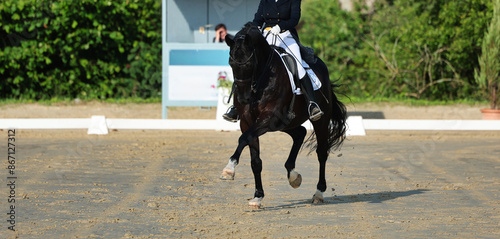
{"x": 90, "y": 49}
{"x": 98, "y": 49}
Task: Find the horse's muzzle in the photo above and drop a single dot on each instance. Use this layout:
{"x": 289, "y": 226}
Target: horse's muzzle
{"x": 243, "y": 90}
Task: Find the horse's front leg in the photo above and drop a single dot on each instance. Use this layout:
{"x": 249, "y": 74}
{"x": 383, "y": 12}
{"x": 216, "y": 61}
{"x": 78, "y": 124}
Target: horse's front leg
{"x": 256, "y": 163}
{"x": 229, "y": 171}
{"x": 248, "y": 136}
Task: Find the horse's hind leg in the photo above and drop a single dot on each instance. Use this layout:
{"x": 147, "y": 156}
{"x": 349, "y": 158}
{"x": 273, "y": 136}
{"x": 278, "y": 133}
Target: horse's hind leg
{"x": 322, "y": 152}
{"x": 298, "y": 134}
{"x": 256, "y": 163}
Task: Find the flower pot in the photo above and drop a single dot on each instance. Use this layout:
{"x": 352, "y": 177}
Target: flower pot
{"x": 491, "y": 114}
{"x": 222, "y": 104}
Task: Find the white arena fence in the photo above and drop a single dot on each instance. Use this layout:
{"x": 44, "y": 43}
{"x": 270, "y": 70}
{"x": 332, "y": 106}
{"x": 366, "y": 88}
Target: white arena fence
{"x": 357, "y": 126}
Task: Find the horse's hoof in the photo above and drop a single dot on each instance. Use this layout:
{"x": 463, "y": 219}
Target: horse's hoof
{"x": 227, "y": 175}
{"x": 255, "y": 203}
{"x": 318, "y": 198}
{"x": 295, "y": 179}
{"x": 254, "y": 207}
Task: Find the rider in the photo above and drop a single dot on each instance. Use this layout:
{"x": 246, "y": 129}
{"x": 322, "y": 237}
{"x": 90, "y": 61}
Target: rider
{"x": 281, "y": 18}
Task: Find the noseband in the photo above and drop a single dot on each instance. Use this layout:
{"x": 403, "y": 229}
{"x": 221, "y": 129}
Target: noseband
{"x": 245, "y": 61}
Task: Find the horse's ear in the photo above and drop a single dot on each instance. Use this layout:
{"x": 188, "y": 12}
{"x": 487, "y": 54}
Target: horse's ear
{"x": 229, "y": 40}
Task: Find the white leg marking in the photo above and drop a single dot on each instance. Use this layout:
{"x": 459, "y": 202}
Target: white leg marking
{"x": 295, "y": 179}
{"x": 318, "y": 197}
{"x": 255, "y": 203}
{"x": 229, "y": 171}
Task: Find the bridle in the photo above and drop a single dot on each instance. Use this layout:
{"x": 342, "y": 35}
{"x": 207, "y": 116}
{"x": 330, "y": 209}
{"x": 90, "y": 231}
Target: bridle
{"x": 242, "y": 37}
{"x": 255, "y": 81}
{"x": 245, "y": 61}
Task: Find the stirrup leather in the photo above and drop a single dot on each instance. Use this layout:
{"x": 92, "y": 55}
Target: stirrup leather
{"x": 316, "y": 115}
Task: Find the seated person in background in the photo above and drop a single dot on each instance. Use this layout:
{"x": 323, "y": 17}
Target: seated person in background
{"x": 220, "y": 33}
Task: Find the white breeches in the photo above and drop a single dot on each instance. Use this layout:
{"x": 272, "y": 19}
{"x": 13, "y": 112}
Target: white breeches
{"x": 288, "y": 43}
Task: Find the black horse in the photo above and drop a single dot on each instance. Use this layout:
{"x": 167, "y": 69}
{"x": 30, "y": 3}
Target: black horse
{"x": 266, "y": 103}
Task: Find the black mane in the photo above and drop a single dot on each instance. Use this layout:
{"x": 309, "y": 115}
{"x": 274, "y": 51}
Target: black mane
{"x": 251, "y": 30}
{"x": 249, "y": 27}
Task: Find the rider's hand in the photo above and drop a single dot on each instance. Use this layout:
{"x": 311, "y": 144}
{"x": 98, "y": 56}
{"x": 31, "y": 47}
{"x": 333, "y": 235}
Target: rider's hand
{"x": 276, "y": 30}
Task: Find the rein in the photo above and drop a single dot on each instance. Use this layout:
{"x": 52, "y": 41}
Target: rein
{"x": 255, "y": 81}
{"x": 266, "y": 66}
{"x": 243, "y": 62}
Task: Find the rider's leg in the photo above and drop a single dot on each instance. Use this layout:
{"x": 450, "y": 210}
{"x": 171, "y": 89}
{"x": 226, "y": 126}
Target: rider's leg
{"x": 315, "y": 112}
{"x": 231, "y": 114}
{"x": 288, "y": 43}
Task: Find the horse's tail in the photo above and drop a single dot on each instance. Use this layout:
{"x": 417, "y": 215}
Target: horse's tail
{"x": 338, "y": 114}
{"x": 337, "y": 128}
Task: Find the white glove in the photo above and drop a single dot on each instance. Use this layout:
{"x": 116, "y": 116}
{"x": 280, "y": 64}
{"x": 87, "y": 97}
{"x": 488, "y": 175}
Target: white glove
{"x": 276, "y": 30}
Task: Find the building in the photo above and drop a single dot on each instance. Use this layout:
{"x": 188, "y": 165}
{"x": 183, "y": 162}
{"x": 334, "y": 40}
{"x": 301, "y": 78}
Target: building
{"x": 193, "y": 21}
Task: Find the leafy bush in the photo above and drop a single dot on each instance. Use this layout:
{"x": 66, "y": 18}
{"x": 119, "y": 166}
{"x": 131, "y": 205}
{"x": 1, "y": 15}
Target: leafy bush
{"x": 336, "y": 37}
{"x": 99, "y": 49}
{"x": 88, "y": 49}
{"x": 418, "y": 49}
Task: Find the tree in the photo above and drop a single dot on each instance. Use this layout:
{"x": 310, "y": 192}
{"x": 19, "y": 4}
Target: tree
{"x": 420, "y": 48}
{"x": 488, "y": 75}
{"x": 335, "y": 35}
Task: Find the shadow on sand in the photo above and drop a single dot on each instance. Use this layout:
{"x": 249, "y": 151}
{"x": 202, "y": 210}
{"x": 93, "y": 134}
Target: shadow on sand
{"x": 369, "y": 197}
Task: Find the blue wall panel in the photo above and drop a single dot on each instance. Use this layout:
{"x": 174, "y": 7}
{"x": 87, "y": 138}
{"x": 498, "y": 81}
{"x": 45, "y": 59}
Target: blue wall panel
{"x": 187, "y": 57}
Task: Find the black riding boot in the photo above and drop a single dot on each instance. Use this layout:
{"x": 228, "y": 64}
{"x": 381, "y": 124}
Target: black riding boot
{"x": 315, "y": 112}
{"x": 231, "y": 115}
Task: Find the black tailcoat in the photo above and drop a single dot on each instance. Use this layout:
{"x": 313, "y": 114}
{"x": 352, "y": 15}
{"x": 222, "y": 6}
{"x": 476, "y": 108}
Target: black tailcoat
{"x": 285, "y": 13}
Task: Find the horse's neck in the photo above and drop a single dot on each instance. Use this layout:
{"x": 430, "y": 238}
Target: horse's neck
{"x": 267, "y": 52}
{"x": 264, "y": 60}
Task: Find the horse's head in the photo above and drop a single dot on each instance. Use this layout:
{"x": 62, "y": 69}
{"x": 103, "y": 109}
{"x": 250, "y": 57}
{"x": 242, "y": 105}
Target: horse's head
{"x": 243, "y": 60}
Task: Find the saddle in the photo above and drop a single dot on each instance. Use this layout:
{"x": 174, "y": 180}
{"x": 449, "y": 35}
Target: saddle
{"x": 293, "y": 73}
{"x": 290, "y": 63}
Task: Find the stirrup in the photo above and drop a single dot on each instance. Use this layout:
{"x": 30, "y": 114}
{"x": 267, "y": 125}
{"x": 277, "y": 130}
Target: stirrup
{"x": 316, "y": 113}
{"x": 231, "y": 115}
